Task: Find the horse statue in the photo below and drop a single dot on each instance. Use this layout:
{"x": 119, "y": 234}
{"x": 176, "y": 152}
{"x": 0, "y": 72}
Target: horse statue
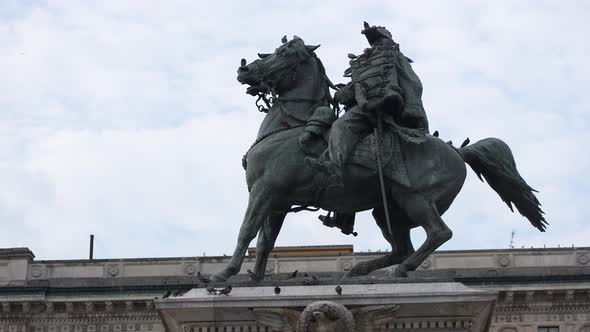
{"x": 279, "y": 181}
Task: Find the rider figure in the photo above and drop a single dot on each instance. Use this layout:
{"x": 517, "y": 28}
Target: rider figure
{"x": 382, "y": 81}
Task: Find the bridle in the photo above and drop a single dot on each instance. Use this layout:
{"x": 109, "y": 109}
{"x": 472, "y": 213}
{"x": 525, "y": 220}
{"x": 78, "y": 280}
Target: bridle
{"x": 268, "y": 95}
{"x": 268, "y": 92}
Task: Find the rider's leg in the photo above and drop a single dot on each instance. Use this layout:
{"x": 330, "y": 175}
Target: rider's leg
{"x": 346, "y": 132}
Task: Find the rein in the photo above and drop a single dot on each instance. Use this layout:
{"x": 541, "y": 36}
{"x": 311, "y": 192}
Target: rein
{"x": 278, "y": 101}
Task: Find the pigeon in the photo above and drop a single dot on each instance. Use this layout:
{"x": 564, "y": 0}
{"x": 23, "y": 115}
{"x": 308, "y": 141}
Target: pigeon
{"x": 338, "y": 290}
{"x": 277, "y": 290}
{"x": 167, "y": 294}
{"x": 225, "y": 291}
{"x": 310, "y": 281}
{"x": 211, "y": 290}
{"x": 465, "y": 142}
{"x": 292, "y": 275}
{"x": 435, "y": 134}
{"x": 251, "y": 274}
{"x": 203, "y": 278}
{"x": 180, "y": 292}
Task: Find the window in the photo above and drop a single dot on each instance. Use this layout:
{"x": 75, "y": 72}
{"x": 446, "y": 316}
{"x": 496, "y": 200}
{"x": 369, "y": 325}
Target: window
{"x": 548, "y": 329}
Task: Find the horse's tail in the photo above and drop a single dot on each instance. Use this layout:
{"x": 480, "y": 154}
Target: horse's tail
{"x": 492, "y": 159}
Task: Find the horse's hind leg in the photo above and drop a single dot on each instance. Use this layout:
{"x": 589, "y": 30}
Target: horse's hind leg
{"x": 425, "y": 214}
{"x": 260, "y": 205}
{"x": 401, "y": 244}
{"x": 266, "y": 241}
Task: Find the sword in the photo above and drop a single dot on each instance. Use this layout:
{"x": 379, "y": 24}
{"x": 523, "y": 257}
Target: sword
{"x": 378, "y": 130}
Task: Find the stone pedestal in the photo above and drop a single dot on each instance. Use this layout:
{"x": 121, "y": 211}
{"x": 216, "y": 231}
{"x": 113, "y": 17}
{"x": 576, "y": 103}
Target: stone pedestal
{"x": 433, "y": 306}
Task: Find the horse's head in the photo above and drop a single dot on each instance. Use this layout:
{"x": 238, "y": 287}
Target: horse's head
{"x": 275, "y": 70}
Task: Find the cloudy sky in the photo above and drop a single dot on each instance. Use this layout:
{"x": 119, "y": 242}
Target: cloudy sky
{"x": 124, "y": 118}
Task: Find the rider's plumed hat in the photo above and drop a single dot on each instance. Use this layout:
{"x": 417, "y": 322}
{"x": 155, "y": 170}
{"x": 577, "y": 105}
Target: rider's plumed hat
{"x": 375, "y": 33}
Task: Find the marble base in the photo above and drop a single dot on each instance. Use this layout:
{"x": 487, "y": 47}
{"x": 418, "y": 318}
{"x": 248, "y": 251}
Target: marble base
{"x": 432, "y": 306}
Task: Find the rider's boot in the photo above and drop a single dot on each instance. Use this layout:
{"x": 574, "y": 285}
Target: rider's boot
{"x": 344, "y": 221}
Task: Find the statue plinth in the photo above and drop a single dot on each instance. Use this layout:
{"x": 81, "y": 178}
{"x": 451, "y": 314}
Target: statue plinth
{"x": 436, "y": 306}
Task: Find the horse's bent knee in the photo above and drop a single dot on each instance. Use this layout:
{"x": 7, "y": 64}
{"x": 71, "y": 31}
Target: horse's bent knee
{"x": 442, "y": 236}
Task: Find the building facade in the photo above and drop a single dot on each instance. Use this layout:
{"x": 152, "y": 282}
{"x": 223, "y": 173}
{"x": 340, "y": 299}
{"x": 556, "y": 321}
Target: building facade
{"x": 539, "y": 290}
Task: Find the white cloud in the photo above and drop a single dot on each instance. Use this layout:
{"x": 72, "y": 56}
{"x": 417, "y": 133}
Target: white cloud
{"x": 124, "y": 119}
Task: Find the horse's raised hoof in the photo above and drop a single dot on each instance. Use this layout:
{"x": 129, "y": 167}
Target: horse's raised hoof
{"x": 400, "y": 272}
{"x": 218, "y": 278}
{"x": 360, "y": 269}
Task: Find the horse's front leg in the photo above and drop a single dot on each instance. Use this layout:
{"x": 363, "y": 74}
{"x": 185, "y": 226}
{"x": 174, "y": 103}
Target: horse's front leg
{"x": 266, "y": 240}
{"x": 259, "y": 208}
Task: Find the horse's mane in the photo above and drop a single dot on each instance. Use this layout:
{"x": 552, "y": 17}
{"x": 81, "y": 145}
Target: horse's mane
{"x": 328, "y": 84}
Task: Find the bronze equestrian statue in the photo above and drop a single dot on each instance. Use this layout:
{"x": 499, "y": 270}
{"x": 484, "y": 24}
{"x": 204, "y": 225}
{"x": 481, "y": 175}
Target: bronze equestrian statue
{"x": 421, "y": 174}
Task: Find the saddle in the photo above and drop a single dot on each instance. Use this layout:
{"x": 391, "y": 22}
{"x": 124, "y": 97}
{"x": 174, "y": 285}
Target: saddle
{"x": 392, "y": 156}
{"x": 365, "y": 154}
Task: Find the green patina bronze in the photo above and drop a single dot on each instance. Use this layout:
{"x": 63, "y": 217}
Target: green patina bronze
{"x": 310, "y": 155}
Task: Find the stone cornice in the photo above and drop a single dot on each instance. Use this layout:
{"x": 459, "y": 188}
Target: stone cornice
{"x": 16, "y": 253}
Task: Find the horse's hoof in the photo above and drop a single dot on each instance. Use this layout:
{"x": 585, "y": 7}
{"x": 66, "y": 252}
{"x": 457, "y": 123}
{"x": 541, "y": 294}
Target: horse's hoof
{"x": 400, "y": 273}
{"x": 218, "y": 278}
{"x": 360, "y": 269}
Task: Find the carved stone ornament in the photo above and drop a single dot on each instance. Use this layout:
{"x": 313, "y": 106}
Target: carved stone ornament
{"x": 582, "y": 259}
{"x": 108, "y": 306}
{"x": 270, "y": 267}
{"x": 509, "y": 329}
{"x": 504, "y": 261}
{"x": 112, "y": 270}
{"x": 36, "y": 271}
{"x": 326, "y": 316}
{"x": 190, "y": 269}
{"x": 149, "y": 305}
{"x": 347, "y": 266}
{"x": 426, "y": 264}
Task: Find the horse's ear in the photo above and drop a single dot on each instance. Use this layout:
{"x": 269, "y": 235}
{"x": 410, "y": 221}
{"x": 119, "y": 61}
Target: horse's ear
{"x": 311, "y": 48}
{"x": 263, "y": 55}
{"x": 295, "y": 37}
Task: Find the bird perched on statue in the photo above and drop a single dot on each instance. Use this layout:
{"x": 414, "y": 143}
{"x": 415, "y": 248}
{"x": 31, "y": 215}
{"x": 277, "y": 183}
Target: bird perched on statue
{"x": 251, "y": 274}
{"x": 203, "y": 278}
{"x": 181, "y": 291}
{"x": 277, "y": 290}
{"x": 292, "y": 275}
{"x": 211, "y": 290}
{"x": 313, "y": 280}
{"x": 226, "y": 290}
{"x": 338, "y": 290}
